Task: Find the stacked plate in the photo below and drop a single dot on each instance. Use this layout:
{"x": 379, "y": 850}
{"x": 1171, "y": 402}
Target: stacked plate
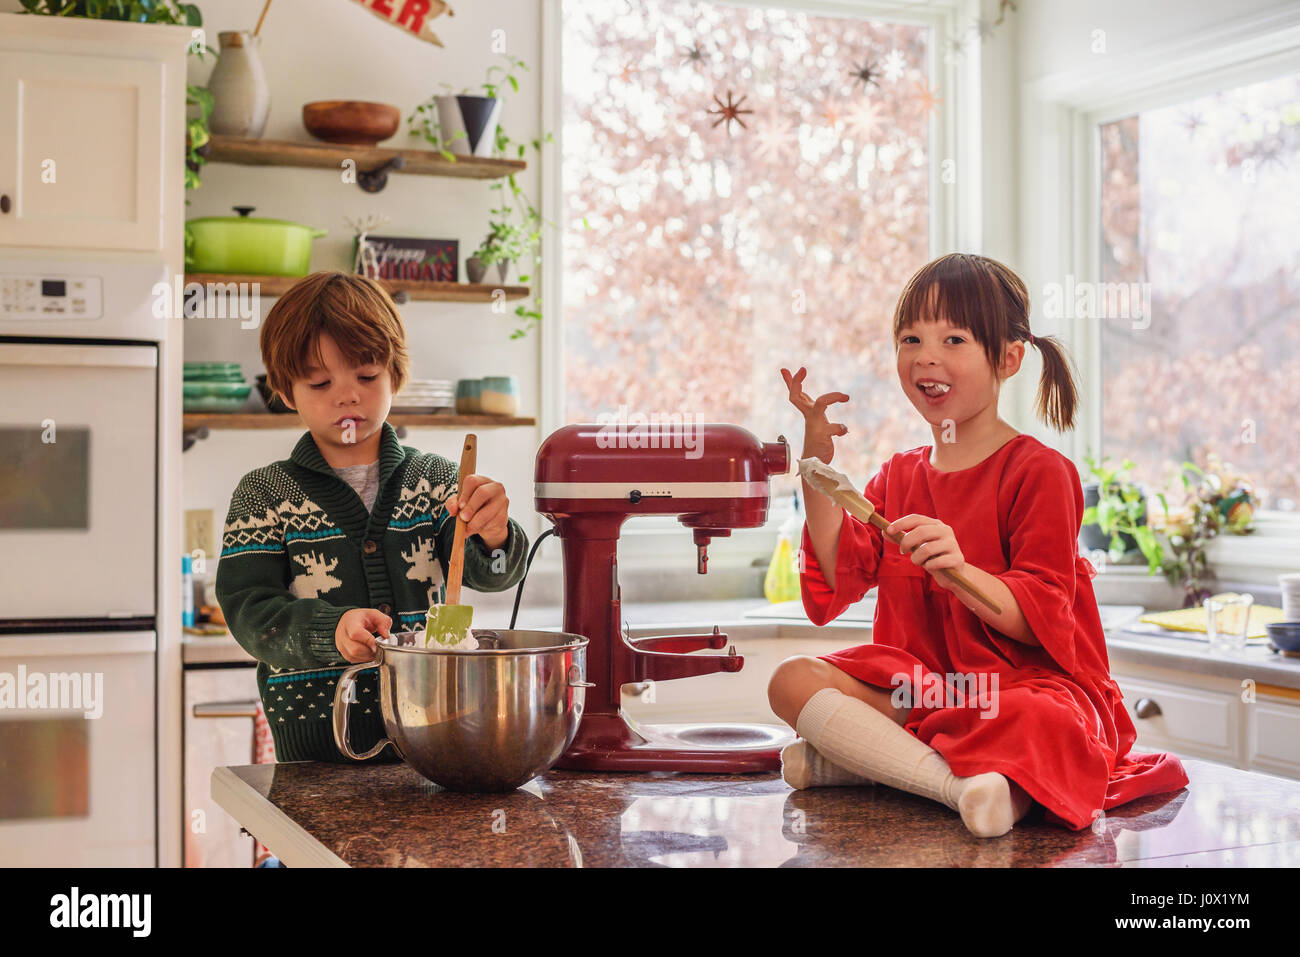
{"x": 214, "y": 387}
{"x": 422, "y": 396}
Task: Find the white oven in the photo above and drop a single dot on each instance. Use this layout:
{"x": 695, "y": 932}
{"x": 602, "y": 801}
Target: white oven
{"x": 78, "y": 786}
{"x": 77, "y": 473}
{"x": 79, "y": 446}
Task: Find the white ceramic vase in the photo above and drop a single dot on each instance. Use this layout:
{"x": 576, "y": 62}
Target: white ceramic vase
{"x": 241, "y": 100}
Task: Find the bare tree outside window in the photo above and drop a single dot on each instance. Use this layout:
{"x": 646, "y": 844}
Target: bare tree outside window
{"x": 1202, "y": 201}
{"x": 706, "y": 246}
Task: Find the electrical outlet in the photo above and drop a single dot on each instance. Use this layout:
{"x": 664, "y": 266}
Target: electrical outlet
{"x": 198, "y": 531}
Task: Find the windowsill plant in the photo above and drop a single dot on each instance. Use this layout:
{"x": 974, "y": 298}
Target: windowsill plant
{"x": 1216, "y": 500}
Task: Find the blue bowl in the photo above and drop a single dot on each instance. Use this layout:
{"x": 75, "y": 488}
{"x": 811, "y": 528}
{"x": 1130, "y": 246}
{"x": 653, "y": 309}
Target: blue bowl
{"x": 1285, "y": 635}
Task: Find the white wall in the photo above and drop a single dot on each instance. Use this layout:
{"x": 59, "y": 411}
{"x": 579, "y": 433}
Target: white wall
{"x": 1056, "y": 35}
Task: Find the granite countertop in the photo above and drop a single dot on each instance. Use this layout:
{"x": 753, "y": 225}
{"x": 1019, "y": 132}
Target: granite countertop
{"x": 316, "y": 814}
{"x": 1127, "y": 641}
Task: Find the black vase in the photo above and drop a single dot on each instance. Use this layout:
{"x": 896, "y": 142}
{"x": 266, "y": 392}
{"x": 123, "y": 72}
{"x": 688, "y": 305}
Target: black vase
{"x": 1092, "y": 536}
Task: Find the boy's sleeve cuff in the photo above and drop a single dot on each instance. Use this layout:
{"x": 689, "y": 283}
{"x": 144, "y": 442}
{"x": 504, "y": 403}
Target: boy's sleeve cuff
{"x": 320, "y": 633}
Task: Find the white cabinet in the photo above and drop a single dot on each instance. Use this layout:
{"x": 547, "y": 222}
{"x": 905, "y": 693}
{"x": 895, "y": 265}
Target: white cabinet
{"x": 82, "y": 142}
{"x": 1180, "y": 718}
{"x": 1273, "y": 736}
{"x": 1254, "y": 727}
{"x": 220, "y": 711}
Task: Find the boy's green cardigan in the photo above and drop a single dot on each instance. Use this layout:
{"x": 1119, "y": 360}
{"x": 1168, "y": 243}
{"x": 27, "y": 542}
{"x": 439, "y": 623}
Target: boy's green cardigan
{"x": 299, "y": 550}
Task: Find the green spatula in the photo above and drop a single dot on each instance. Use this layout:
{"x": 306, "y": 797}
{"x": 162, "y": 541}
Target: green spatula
{"x": 447, "y": 625}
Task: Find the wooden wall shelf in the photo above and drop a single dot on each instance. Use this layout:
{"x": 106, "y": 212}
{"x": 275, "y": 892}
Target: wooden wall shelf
{"x": 259, "y": 152}
{"x": 269, "y": 420}
{"x": 432, "y": 291}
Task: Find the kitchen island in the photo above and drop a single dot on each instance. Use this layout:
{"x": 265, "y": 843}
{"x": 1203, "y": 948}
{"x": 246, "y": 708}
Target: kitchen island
{"x": 386, "y": 815}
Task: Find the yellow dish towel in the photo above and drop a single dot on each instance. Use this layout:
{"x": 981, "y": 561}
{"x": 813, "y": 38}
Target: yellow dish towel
{"x": 1193, "y": 619}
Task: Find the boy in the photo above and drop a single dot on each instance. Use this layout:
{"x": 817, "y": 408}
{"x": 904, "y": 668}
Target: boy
{"x": 352, "y": 533}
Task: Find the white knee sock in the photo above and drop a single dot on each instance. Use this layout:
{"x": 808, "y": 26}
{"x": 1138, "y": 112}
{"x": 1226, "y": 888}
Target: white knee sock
{"x": 858, "y": 738}
{"x": 803, "y": 766}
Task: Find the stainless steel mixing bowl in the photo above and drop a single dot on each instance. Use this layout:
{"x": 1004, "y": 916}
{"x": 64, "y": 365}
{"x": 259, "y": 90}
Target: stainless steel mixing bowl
{"x": 491, "y": 719}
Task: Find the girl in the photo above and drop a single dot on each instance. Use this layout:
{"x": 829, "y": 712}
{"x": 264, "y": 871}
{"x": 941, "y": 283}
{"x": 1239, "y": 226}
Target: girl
{"x": 1040, "y": 719}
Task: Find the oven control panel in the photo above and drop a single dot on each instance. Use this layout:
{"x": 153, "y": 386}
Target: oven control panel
{"x": 50, "y": 297}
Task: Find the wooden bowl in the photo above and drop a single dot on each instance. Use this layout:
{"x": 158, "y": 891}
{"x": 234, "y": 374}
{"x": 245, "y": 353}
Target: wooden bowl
{"x": 351, "y": 121}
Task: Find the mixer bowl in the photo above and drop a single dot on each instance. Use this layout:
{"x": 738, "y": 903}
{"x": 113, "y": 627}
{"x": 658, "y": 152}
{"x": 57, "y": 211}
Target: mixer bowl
{"x": 491, "y": 719}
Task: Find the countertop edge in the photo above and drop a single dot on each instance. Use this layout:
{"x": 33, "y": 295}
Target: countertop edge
{"x": 268, "y": 824}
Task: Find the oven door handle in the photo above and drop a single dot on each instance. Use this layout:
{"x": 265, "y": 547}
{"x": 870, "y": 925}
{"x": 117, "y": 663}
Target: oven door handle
{"x": 226, "y": 709}
{"x": 68, "y": 354}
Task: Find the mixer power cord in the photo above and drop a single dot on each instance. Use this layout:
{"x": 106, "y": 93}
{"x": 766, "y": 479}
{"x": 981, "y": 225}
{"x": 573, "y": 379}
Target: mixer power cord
{"x": 519, "y": 591}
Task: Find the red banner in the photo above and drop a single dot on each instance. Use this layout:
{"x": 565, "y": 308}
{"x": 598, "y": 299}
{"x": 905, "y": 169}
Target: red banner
{"x": 413, "y": 16}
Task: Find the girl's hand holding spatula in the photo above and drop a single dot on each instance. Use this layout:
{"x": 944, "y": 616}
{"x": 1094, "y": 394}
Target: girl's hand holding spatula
{"x": 931, "y": 544}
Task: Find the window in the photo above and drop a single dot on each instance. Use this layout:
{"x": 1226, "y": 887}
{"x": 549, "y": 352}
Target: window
{"x": 702, "y": 255}
{"x": 1199, "y": 208}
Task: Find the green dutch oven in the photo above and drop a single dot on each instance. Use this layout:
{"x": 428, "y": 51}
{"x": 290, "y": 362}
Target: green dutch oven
{"x": 241, "y": 244}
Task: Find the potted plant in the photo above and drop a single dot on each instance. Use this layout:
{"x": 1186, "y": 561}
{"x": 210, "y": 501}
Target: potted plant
{"x": 505, "y": 243}
{"x": 1115, "y": 514}
{"x": 515, "y": 227}
{"x": 151, "y": 11}
{"x": 1217, "y": 500}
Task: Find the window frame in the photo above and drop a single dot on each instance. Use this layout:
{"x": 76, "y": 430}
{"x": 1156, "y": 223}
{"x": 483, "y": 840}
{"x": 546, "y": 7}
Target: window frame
{"x": 955, "y": 223}
{"x": 1060, "y": 114}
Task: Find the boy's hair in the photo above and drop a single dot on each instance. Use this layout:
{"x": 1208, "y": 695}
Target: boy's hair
{"x": 354, "y": 311}
{"x": 984, "y": 296}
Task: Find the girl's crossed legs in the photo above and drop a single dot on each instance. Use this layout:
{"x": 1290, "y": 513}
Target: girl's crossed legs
{"x": 853, "y": 734}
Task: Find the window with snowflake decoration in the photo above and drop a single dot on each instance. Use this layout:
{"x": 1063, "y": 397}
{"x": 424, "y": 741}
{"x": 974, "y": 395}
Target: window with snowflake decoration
{"x": 744, "y": 188}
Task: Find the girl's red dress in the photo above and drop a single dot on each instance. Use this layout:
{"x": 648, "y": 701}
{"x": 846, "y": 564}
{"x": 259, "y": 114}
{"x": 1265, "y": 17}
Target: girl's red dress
{"x": 1061, "y": 730}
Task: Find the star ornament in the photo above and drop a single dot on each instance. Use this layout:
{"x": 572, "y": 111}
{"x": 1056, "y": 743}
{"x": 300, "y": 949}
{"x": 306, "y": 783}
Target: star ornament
{"x": 693, "y": 56}
{"x": 729, "y": 111}
{"x": 865, "y": 121}
{"x": 927, "y": 97}
{"x": 832, "y": 113}
{"x": 776, "y": 141}
{"x": 865, "y": 74}
{"x": 895, "y": 64}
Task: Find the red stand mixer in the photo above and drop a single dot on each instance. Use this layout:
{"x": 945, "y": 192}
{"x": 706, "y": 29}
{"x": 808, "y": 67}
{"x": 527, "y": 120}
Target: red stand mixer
{"x": 589, "y": 480}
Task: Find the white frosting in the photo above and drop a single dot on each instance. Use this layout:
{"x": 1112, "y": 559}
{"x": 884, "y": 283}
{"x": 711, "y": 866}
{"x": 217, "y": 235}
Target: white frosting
{"x": 468, "y": 643}
{"x": 813, "y": 467}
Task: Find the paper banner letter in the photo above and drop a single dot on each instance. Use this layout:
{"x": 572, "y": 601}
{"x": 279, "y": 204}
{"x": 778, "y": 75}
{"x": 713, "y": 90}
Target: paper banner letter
{"x": 413, "y": 16}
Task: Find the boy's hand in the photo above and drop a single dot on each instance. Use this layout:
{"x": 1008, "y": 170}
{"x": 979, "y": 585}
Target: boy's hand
{"x": 353, "y": 636}
{"x": 818, "y": 431}
{"x": 932, "y": 546}
{"x": 482, "y": 503}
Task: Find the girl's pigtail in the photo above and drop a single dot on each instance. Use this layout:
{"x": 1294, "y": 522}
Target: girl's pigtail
{"x": 1058, "y": 397}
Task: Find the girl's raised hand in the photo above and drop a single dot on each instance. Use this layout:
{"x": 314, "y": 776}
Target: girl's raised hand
{"x": 818, "y": 431}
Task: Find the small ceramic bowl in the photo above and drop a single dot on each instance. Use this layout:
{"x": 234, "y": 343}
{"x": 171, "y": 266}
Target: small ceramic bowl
{"x": 499, "y": 395}
{"x": 468, "y": 392}
{"x": 273, "y": 402}
{"x": 1285, "y": 635}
